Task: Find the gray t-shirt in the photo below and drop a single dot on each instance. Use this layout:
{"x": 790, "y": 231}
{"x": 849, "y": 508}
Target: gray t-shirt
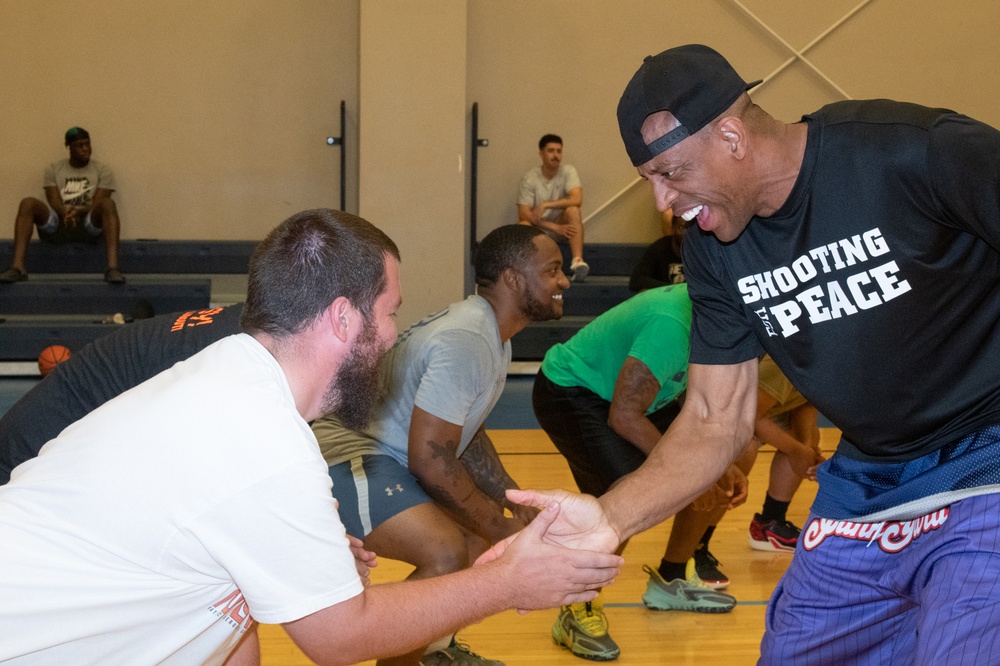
{"x": 77, "y": 186}
{"x": 451, "y": 364}
{"x": 536, "y": 188}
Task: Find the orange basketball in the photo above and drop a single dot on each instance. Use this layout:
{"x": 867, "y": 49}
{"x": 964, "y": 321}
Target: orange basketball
{"x": 51, "y": 357}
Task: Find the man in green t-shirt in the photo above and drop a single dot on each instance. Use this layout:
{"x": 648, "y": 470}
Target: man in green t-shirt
{"x": 605, "y": 397}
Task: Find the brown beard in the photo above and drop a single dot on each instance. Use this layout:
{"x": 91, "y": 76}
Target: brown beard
{"x": 354, "y": 390}
{"x": 535, "y": 309}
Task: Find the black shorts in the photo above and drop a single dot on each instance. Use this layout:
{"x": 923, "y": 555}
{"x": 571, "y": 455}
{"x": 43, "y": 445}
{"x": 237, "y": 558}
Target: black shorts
{"x": 576, "y": 420}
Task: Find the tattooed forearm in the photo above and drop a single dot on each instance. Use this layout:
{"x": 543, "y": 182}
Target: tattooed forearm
{"x": 450, "y": 484}
{"x": 433, "y": 461}
{"x": 483, "y": 464}
{"x": 479, "y": 522}
{"x": 445, "y": 453}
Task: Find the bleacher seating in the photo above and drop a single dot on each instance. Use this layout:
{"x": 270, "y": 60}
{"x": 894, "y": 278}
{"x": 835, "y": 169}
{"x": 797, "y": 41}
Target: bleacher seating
{"x": 47, "y": 294}
{"x": 136, "y": 256}
{"x": 37, "y": 312}
{"x": 65, "y": 300}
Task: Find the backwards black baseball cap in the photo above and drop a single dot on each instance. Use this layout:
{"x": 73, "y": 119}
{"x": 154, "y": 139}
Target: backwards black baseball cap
{"x": 76, "y": 134}
{"x": 693, "y": 82}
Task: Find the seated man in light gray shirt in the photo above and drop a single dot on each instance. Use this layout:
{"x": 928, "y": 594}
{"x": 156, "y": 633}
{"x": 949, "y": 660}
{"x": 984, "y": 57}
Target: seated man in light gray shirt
{"x": 550, "y": 199}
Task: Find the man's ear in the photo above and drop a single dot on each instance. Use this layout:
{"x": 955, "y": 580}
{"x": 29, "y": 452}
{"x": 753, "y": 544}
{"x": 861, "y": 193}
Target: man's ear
{"x": 512, "y": 279}
{"x": 733, "y": 133}
{"x": 340, "y": 316}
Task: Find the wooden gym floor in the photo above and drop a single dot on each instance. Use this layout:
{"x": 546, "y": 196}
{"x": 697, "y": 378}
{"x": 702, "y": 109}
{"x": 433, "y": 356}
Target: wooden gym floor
{"x": 645, "y": 637}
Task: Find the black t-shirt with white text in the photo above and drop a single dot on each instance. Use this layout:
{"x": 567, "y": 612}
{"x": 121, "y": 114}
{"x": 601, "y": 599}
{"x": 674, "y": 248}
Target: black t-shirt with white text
{"x": 876, "y": 286}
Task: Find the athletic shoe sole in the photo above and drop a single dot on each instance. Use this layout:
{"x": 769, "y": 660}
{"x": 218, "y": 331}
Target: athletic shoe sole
{"x": 716, "y": 584}
{"x": 565, "y": 640}
{"x": 710, "y": 581}
{"x": 694, "y": 609}
{"x": 770, "y": 546}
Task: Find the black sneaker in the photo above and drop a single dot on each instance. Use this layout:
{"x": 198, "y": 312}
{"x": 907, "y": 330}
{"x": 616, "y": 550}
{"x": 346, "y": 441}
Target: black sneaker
{"x": 13, "y": 275}
{"x": 708, "y": 570}
{"x": 114, "y": 276}
{"x": 776, "y": 536}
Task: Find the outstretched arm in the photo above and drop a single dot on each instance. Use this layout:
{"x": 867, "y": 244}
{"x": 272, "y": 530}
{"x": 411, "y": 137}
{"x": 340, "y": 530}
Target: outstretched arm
{"x": 635, "y": 390}
{"x": 532, "y": 574}
{"x": 712, "y": 429}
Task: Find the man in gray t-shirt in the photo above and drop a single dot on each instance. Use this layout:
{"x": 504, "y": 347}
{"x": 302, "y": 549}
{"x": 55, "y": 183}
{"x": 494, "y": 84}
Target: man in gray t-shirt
{"x": 423, "y": 483}
{"x": 550, "y": 198}
{"x": 78, "y": 208}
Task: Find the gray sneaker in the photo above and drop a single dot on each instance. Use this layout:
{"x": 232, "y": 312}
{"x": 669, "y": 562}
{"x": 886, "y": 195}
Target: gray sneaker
{"x": 690, "y": 594}
{"x": 456, "y": 654}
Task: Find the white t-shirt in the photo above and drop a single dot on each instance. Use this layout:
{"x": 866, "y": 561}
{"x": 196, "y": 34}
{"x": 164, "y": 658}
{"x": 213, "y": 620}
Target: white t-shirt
{"x": 151, "y": 530}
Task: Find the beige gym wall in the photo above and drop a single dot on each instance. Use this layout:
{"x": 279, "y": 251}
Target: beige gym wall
{"x": 561, "y": 65}
{"x": 214, "y": 115}
{"x": 413, "y": 150}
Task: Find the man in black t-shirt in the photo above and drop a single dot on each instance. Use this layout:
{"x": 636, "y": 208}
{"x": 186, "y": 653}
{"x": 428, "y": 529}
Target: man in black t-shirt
{"x": 103, "y": 369}
{"x": 860, "y": 248}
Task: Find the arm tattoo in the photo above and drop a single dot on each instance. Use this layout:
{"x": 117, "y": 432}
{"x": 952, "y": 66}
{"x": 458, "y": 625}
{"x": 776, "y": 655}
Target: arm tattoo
{"x": 472, "y": 520}
{"x": 636, "y": 388}
{"x": 453, "y": 488}
{"x": 446, "y": 454}
{"x": 483, "y": 464}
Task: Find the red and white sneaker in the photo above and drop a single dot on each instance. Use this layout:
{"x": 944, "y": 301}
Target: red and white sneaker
{"x": 775, "y": 536}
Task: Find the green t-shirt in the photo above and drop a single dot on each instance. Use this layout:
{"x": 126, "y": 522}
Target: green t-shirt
{"x": 653, "y": 327}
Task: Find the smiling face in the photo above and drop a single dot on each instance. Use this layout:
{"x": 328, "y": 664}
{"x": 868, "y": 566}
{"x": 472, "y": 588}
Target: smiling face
{"x": 544, "y": 280}
{"x": 699, "y": 177}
